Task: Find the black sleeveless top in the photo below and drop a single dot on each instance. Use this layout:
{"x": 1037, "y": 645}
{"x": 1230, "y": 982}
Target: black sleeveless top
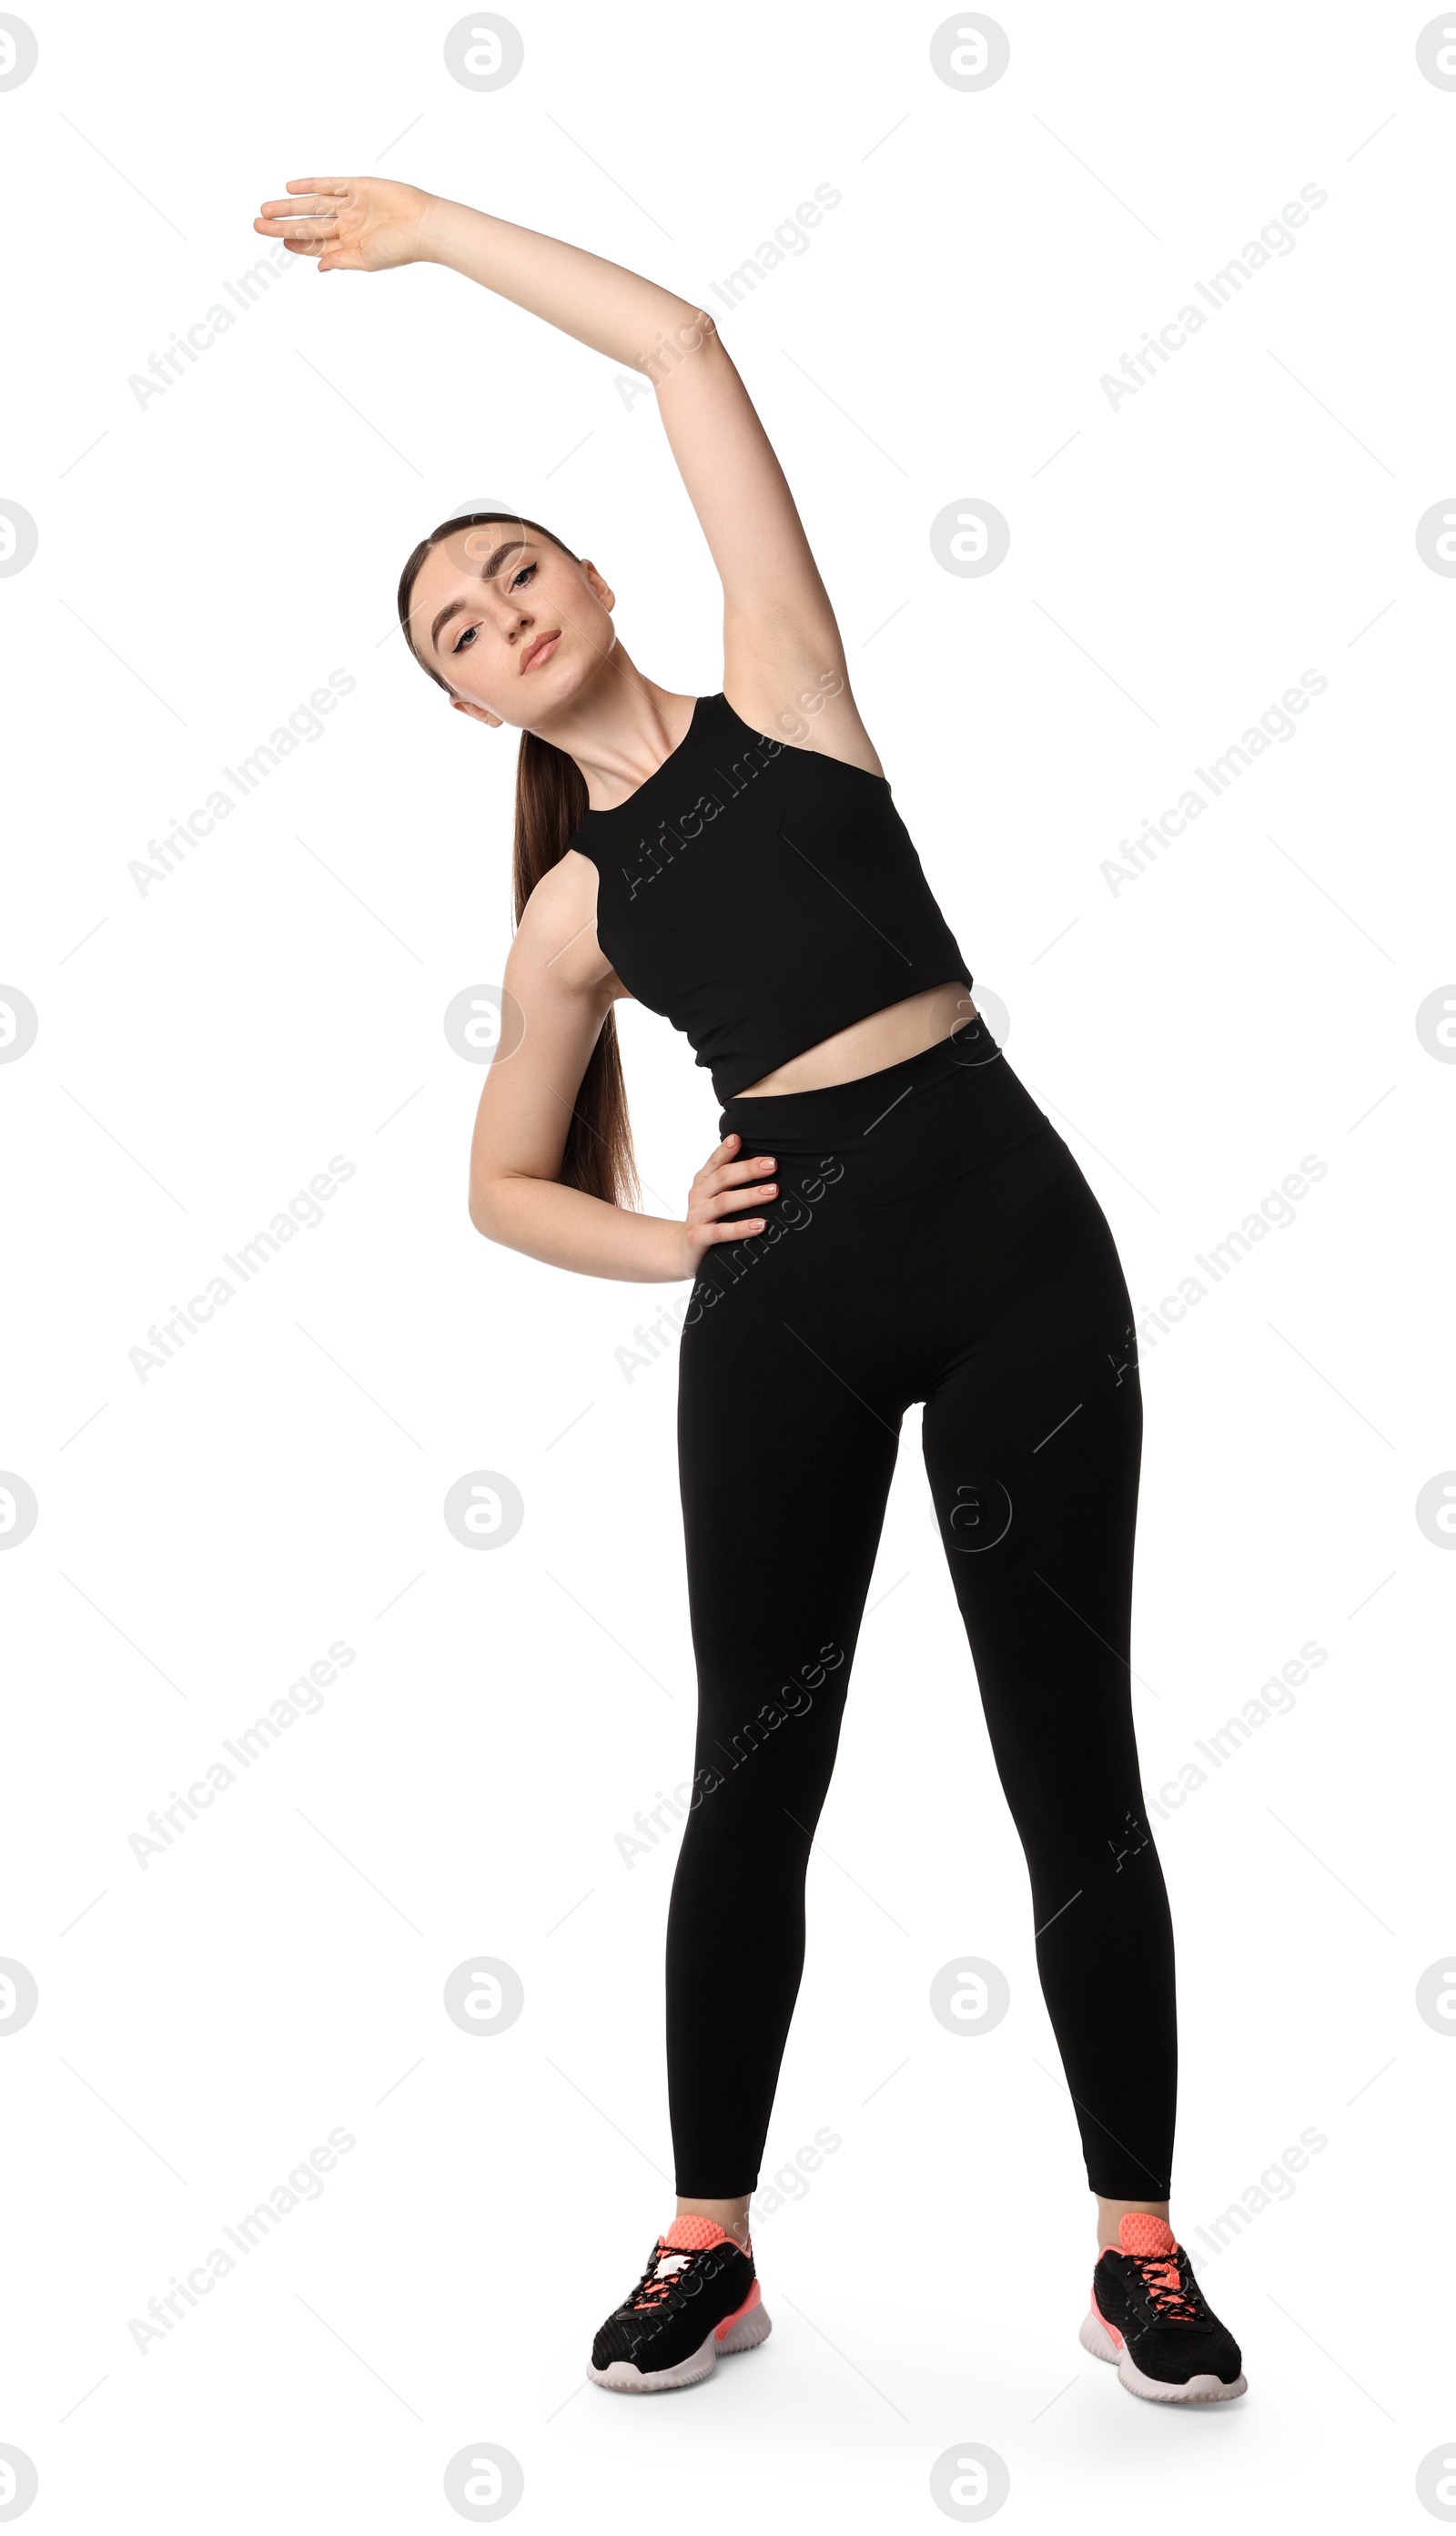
{"x": 763, "y": 896}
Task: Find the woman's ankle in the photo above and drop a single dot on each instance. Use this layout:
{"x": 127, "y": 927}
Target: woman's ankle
{"x": 1109, "y": 2216}
{"x": 732, "y": 2217}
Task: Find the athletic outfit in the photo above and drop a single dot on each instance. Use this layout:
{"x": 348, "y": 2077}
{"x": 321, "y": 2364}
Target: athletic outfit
{"x": 933, "y": 1241}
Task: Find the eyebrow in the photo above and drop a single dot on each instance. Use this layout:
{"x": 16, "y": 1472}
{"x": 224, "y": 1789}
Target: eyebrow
{"x": 488, "y": 570}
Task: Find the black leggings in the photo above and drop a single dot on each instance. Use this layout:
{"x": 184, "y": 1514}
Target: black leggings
{"x": 934, "y": 1239}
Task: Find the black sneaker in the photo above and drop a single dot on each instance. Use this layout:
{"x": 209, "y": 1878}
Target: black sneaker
{"x": 698, "y": 2296}
{"x": 1151, "y": 2319}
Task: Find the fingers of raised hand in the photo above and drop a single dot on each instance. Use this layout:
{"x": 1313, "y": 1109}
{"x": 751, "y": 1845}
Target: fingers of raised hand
{"x": 299, "y": 222}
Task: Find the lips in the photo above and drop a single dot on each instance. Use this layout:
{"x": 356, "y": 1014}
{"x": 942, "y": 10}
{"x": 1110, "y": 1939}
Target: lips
{"x": 541, "y": 649}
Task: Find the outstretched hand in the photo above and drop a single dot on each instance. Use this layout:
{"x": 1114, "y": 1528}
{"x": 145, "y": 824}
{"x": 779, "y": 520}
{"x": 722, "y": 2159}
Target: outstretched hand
{"x": 352, "y": 223}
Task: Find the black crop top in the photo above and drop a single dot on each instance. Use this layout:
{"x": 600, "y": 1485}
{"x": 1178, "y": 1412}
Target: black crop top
{"x": 763, "y": 896}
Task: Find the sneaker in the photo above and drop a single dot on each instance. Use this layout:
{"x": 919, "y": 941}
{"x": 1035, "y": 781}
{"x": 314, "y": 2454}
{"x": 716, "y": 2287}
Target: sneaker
{"x": 699, "y": 2296}
{"x": 1151, "y": 2319}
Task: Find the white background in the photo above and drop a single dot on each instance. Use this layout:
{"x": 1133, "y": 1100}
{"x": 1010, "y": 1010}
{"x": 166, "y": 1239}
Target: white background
{"x": 205, "y": 561}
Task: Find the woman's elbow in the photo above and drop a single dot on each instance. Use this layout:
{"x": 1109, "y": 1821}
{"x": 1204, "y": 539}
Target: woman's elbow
{"x": 482, "y": 1203}
{"x": 496, "y": 1204}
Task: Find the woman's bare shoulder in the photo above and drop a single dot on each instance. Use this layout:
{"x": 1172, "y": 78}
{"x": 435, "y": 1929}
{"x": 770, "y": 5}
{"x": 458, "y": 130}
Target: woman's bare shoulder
{"x": 557, "y": 930}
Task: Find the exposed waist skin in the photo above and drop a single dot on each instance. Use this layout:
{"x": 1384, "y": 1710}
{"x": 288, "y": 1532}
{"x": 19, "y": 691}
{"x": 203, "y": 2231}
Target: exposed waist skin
{"x": 882, "y": 1039}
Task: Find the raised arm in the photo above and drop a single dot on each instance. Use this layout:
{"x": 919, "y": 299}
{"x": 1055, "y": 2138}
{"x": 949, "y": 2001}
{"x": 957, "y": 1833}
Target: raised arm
{"x": 784, "y": 661}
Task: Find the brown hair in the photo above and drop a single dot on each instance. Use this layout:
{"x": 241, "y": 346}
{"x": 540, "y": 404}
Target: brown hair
{"x": 550, "y": 806}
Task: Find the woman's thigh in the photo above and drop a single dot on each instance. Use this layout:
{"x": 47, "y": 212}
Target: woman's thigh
{"x": 1033, "y": 1444}
{"x": 788, "y": 1436}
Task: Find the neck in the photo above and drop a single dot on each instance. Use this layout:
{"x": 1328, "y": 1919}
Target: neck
{"x": 620, "y": 730}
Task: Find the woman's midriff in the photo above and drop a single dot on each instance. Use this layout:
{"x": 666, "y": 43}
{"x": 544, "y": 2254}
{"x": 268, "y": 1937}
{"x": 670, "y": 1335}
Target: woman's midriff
{"x": 882, "y": 1039}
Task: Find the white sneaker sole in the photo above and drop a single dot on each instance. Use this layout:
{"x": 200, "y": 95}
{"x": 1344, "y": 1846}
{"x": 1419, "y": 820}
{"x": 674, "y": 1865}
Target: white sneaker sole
{"x": 1205, "y": 2389}
{"x": 743, "y": 2333}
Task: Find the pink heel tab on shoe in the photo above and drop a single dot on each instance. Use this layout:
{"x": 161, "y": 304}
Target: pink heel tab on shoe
{"x": 691, "y": 2233}
{"x": 1141, "y": 2232}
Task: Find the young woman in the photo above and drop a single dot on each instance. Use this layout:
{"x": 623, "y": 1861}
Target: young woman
{"x": 887, "y": 1218}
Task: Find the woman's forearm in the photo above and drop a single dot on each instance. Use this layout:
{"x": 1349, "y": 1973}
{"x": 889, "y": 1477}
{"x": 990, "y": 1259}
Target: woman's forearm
{"x": 569, "y": 1229}
{"x": 603, "y": 305}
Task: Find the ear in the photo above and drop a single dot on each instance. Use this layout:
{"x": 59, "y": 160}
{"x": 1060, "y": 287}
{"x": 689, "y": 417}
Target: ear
{"x": 599, "y": 589}
{"x": 478, "y": 713}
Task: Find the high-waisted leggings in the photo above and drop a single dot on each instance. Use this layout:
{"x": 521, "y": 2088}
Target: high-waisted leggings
{"x": 934, "y": 1240}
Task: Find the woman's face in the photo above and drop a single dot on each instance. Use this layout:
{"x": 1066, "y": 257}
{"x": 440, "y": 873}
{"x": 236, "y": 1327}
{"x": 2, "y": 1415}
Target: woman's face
{"x": 514, "y": 626}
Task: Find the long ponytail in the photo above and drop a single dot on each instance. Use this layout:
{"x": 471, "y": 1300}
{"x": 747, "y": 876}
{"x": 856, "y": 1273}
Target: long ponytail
{"x": 550, "y": 806}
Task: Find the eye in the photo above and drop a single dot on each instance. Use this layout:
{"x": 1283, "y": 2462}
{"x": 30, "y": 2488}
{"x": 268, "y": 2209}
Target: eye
{"x": 519, "y": 580}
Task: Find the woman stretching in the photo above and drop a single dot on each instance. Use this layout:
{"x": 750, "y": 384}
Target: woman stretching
{"x": 888, "y": 1217}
